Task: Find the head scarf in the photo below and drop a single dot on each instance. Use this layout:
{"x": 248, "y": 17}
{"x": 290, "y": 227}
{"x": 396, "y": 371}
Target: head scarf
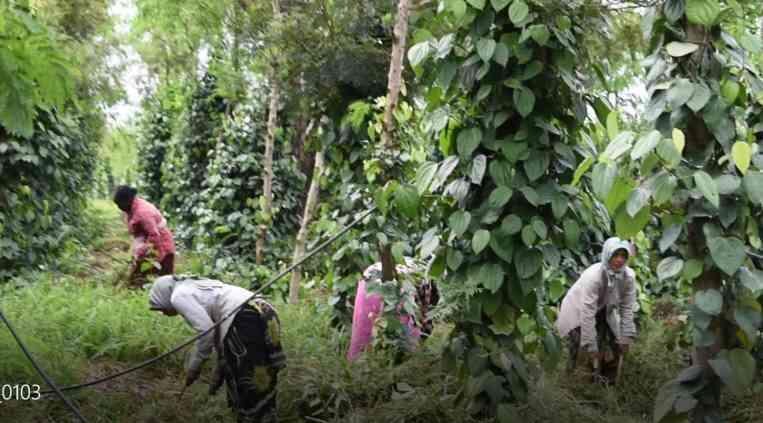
{"x": 160, "y": 296}
{"x": 611, "y": 246}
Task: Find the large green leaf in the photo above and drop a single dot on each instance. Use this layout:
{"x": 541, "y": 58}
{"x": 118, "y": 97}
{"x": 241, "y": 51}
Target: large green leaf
{"x": 702, "y": 12}
{"x": 524, "y": 101}
{"x": 486, "y": 48}
{"x": 477, "y": 4}
{"x": 501, "y": 171}
{"x": 678, "y": 49}
{"x": 663, "y": 185}
{"x": 529, "y": 236}
{"x": 571, "y": 233}
{"x": 407, "y": 201}
{"x": 645, "y": 145}
{"x": 669, "y": 237}
{"x": 454, "y": 259}
{"x": 669, "y": 267}
{"x": 637, "y": 200}
{"x": 498, "y": 5}
{"x": 752, "y": 279}
{"x": 459, "y": 222}
{"x": 748, "y": 317}
{"x": 710, "y": 301}
{"x": 700, "y": 97}
{"x": 468, "y": 140}
{"x": 753, "y": 186}
{"x": 502, "y": 54}
{"x": 527, "y": 262}
{"x": 457, "y": 7}
{"x": 479, "y": 163}
{"x": 627, "y": 226}
{"x": 511, "y": 224}
{"x": 582, "y": 169}
{"x": 727, "y": 253}
{"x": 673, "y": 10}
{"x": 502, "y": 246}
{"x": 491, "y": 276}
{"x": 604, "y": 175}
{"x": 537, "y": 164}
{"x": 728, "y": 184}
{"x": 418, "y": 53}
{"x": 619, "y": 145}
{"x": 539, "y": 33}
{"x": 499, "y": 197}
{"x": 518, "y": 12}
{"x": 707, "y": 187}
{"x": 619, "y": 193}
{"x": 480, "y": 240}
{"x": 742, "y": 155}
{"x": 540, "y": 228}
{"x": 680, "y": 93}
{"x": 736, "y": 368}
{"x": 424, "y": 176}
{"x": 692, "y": 269}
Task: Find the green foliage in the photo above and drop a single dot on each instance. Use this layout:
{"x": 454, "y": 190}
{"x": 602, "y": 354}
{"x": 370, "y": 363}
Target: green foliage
{"x": 44, "y": 181}
{"x": 228, "y": 211}
{"x": 525, "y": 130}
{"x": 184, "y": 169}
{"x": 703, "y": 103}
{"x": 35, "y": 75}
{"x": 156, "y": 127}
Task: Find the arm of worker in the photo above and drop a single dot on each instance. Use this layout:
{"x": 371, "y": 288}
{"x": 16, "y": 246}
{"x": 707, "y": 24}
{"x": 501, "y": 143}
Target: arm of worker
{"x": 588, "y": 313}
{"x": 196, "y": 316}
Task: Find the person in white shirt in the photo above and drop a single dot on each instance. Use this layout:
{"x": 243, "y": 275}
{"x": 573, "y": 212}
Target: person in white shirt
{"x": 597, "y": 312}
{"x": 248, "y": 343}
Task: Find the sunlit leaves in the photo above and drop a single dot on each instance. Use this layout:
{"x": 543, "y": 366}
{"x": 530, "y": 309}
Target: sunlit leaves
{"x": 518, "y": 12}
{"x": 678, "y": 49}
{"x": 645, "y": 145}
{"x": 702, "y": 12}
{"x": 486, "y": 48}
{"x": 679, "y": 140}
{"x": 741, "y": 152}
{"x": 418, "y": 53}
{"x": 669, "y": 267}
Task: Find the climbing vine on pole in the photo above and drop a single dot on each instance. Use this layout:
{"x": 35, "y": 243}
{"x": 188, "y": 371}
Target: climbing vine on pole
{"x": 505, "y": 103}
{"x": 702, "y": 173}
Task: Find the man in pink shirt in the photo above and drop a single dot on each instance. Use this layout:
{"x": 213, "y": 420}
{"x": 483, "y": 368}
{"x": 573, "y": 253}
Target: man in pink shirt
{"x": 149, "y": 229}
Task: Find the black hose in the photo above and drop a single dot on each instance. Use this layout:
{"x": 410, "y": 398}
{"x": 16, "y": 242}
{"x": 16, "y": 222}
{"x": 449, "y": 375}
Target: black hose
{"x": 42, "y": 373}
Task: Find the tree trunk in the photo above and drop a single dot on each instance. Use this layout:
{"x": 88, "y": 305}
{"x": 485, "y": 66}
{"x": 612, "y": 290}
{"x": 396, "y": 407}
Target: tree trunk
{"x": 299, "y": 246}
{"x": 400, "y": 33}
{"x": 267, "y": 189}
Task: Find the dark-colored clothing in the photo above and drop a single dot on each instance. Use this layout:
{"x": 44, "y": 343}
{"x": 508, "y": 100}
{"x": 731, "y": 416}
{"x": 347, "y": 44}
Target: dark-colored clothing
{"x": 253, "y": 357}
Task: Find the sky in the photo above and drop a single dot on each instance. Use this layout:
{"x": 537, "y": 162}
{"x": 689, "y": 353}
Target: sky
{"x": 135, "y": 71}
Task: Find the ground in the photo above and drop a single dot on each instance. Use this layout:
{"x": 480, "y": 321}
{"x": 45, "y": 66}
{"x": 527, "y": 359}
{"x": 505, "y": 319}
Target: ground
{"x": 80, "y": 325}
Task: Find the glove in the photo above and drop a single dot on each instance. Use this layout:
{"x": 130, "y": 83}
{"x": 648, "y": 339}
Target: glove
{"x": 217, "y": 380}
{"x": 191, "y": 376}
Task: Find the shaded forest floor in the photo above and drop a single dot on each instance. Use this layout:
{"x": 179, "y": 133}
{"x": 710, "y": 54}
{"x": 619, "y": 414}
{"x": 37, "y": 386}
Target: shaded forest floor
{"x": 80, "y": 326}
